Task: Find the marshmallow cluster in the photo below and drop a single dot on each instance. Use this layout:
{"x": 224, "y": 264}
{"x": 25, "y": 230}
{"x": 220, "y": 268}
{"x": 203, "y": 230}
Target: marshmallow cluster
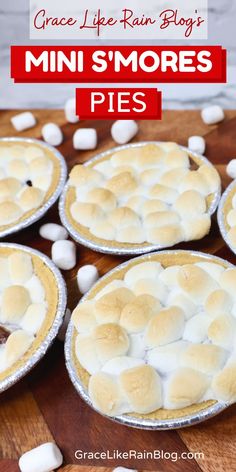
{"x": 25, "y": 176}
{"x": 23, "y": 306}
{"x": 230, "y": 220}
{"x": 144, "y": 194}
{"x": 160, "y": 337}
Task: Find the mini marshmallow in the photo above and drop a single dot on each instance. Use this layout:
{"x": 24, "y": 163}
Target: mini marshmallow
{"x": 197, "y": 144}
{"x": 124, "y": 469}
{"x": 231, "y": 169}
{"x": 53, "y": 232}
{"x": 70, "y": 112}
{"x": 86, "y": 277}
{"x": 212, "y": 114}
{"x": 52, "y": 134}
{"x": 64, "y": 254}
{"x": 23, "y": 121}
{"x": 85, "y": 138}
{"x": 123, "y": 131}
{"x": 43, "y": 458}
{"x": 62, "y": 331}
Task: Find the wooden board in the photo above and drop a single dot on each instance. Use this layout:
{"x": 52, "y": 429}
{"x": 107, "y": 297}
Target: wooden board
{"x": 44, "y": 406}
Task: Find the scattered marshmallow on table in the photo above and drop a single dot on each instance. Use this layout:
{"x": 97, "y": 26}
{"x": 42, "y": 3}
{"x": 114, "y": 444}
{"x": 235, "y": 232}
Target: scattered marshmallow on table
{"x": 123, "y": 131}
{"x": 70, "y": 112}
{"x": 23, "y": 121}
{"x": 86, "y": 277}
{"x": 64, "y": 254}
{"x": 197, "y": 144}
{"x": 212, "y": 114}
{"x": 231, "y": 169}
{"x": 53, "y": 232}
{"x": 52, "y": 134}
{"x": 85, "y": 139}
{"x": 43, "y": 458}
{"x": 62, "y": 331}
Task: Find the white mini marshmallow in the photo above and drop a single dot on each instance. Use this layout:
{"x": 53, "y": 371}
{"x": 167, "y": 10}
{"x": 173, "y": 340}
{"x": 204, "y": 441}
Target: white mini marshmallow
{"x": 23, "y": 121}
{"x": 123, "y": 131}
{"x": 43, "y": 458}
{"x": 212, "y": 114}
{"x": 85, "y": 138}
{"x": 52, "y": 134}
{"x": 62, "y": 331}
{"x": 86, "y": 277}
{"x": 123, "y": 469}
{"x": 53, "y": 232}
{"x": 231, "y": 169}
{"x": 70, "y": 112}
{"x": 197, "y": 144}
{"x": 64, "y": 254}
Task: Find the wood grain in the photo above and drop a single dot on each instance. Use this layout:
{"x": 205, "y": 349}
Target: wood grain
{"x": 44, "y": 406}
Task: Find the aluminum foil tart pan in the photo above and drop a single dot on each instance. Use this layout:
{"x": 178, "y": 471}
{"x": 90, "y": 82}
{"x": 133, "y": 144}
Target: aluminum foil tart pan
{"x": 108, "y": 247}
{"x": 145, "y": 422}
{"x": 224, "y": 207}
{"x": 52, "y": 322}
{"x": 34, "y": 216}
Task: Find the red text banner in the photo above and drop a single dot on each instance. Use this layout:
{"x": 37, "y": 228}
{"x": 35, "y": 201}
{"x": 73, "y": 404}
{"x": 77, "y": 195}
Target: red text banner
{"x": 107, "y": 64}
{"x": 118, "y": 103}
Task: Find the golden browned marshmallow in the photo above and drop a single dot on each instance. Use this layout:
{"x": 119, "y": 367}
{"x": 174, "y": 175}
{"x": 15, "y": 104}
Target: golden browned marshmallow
{"x": 148, "y": 286}
{"x": 224, "y": 384}
{"x": 105, "y": 394}
{"x": 149, "y": 269}
{"x": 161, "y": 218}
{"x": 32, "y": 152}
{"x": 103, "y": 229}
{"x": 121, "y": 169}
{"x": 212, "y": 268}
{"x": 86, "y": 213}
{"x": 195, "y": 282}
{"x": 150, "y": 155}
{"x": 15, "y": 301}
{"x": 228, "y": 281}
{"x": 125, "y": 156}
{"x": 42, "y": 182}
{"x": 169, "y": 275}
{"x": 34, "y": 317}
{"x": 122, "y": 184}
{"x": 184, "y": 302}
{"x": 111, "y": 340}
{"x": 136, "y": 314}
{"x": 211, "y": 176}
{"x": 190, "y": 203}
{"x": 131, "y": 234}
{"x": 206, "y": 358}
{"x": 86, "y": 353}
{"x": 30, "y": 198}
{"x": 176, "y": 158}
{"x": 231, "y": 235}
{"x": 40, "y": 166}
{"x": 81, "y": 175}
{"x": 18, "y": 168}
{"x": 185, "y": 387}
{"x": 108, "y": 308}
{"x": 150, "y": 177}
{"x": 167, "y": 235}
{"x": 231, "y": 218}
{"x": 161, "y": 192}
{"x": 104, "y": 167}
{"x": 9, "y": 212}
{"x": 83, "y": 317}
{"x": 193, "y": 180}
{"x": 135, "y": 203}
{"x": 142, "y": 387}
{"x": 222, "y": 331}
{"x": 166, "y": 327}
{"x": 20, "y": 267}
{"x": 197, "y": 227}
{"x": 116, "y": 283}
{"x": 9, "y": 187}
{"x": 123, "y": 216}
{"x": 218, "y": 302}
{"x": 172, "y": 178}
{"x": 153, "y": 205}
{"x": 16, "y": 346}
{"x": 102, "y": 197}
{"x": 5, "y": 279}
{"x": 15, "y": 152}
{"x": 169, "y": 146}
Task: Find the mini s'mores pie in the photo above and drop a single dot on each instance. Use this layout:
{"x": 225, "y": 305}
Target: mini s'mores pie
{"x": 30, "y": 176}
{"x": 158, "y": 332}
{"x": 115, "y": 201}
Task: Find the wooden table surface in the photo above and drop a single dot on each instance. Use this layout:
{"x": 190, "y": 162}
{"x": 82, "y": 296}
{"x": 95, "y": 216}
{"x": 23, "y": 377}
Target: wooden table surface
{"x": 44, "y": 406}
